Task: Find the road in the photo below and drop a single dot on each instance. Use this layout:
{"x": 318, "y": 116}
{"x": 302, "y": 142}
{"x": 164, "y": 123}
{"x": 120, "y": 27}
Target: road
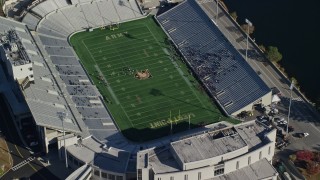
{"x": 23, "y": 164}
{"x": 303, "y": 117}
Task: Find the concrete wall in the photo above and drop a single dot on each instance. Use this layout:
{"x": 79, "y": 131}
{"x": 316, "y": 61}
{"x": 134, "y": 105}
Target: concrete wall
{"x": 99, "y": 177}
{"x": 70, "y": 140}
{"x": 230, "y": 165}
{"x": 244, "y": 159}
{"x": 206, "y": 173}
{"x": 83, "y": 173}
{"x": 265, "y": 100}
{"x": 215, "y": 160}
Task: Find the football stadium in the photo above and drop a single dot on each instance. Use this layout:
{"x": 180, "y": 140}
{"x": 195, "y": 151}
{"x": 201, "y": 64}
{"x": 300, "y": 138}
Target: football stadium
{"x": 123, "y": 94}
{"x": 145, "y": 85}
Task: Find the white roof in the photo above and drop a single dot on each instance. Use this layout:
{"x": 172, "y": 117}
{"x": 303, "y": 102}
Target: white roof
{"x": 275, "y": 98}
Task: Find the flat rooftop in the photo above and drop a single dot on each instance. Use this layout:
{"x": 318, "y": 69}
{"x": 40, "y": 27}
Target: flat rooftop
{"x": 92, "y": 151}
{"x": 261, "y": 169}
{"x": 202, "y": 146}
{"x": 208, "y": 145}
{"x": 252, "y": 134}
{"x": 156, "y": 162}
{"x": 14, "y": 49}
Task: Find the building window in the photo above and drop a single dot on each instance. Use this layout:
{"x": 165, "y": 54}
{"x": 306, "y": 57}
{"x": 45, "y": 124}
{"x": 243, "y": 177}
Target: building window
{"x": 119, "y": 178}
{"x": 139, "y": 174}
{"x": 269, "y": 151}
{"x": 171, "y": 178}
{"x": 104, "y": 175}
{"x": 159, "y": 178}
{"x": 70, "y": 158}
{"x": 249, "y": 160}
{"x": 96, "y": 172}
{"x": 111, "y": 177}
{"x": 237, "y": 166}
{"x": 218, "y": 172}
{"x": 260, "y": 154}
{"x": 186, "y": 177}
{"x": 199, "y": 175}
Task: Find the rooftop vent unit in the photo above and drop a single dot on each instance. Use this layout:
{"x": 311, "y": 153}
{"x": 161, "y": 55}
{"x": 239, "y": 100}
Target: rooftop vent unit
{"x": 105, "y": 147}
{"x": 228, "y": 104}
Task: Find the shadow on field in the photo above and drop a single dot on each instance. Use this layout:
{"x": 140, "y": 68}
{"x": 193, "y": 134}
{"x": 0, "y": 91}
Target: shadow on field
{"x": 130, "y": 36}
{"x": 147, "y": 133}
{"x": 157, "y": 92}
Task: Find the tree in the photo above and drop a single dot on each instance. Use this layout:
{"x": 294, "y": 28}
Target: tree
{"x": 273, "y": 54}
{"x": 317, "y": 104}
{"x": 295, "y": 82}
{"x": 316, "y": 157}
{"x": 292, "y": 157}
{"x": 312, "y": 167}
{"x": 304, "y": 155}
{"x": 262, "y": 47}
{"x": 234, "y": 15}
{"x": 245, "y": 28}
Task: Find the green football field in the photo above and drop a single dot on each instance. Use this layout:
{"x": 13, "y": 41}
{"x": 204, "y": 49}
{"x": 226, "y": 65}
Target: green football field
{"x": 145, "y": 87}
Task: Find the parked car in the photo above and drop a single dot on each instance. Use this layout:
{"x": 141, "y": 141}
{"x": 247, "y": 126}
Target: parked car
{"x": 284, "y": 122}
{"x": 278, "y": 119}
{"x": 301, "y": 135}
{"x": 290, "y": 129}
{"x": 259, "y": 118}
{"x": 33, "y": 143}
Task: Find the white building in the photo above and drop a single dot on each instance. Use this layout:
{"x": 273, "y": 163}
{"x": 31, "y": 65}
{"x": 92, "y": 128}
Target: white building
{"x": 216, "y": 154}
{"x": 16, "y": 57}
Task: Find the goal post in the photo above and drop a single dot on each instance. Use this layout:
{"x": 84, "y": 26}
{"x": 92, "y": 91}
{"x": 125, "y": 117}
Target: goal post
{"x": 114, "y": 26}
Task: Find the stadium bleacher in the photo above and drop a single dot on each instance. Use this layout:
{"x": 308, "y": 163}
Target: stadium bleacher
{"x": 49, "y": 32}
{"x": 64, "y": 60}
{"x": 51, "y": 41}
{"x": 59, "y": 20}
{"x": 44, "y": 8}
{"x": 217, "y": 63}
{"x": 92, "y": 15}
{"x": 31, "y": 20}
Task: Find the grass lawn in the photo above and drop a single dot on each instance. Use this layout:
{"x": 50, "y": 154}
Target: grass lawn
{"x": 144, "y": 86}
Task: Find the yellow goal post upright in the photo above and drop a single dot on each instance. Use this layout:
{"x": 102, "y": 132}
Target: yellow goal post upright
{"x": 103, "y": 27}
{"x": 114, "y": 25}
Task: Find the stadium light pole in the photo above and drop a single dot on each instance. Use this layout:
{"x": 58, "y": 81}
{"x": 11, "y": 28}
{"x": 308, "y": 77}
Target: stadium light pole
{"x": 170, "y": 124}
{"x": 62, "y": 116}
{"x": 217, "y": 11}
{"x": 249, "y": 25}
{"x": 291, "y": 87}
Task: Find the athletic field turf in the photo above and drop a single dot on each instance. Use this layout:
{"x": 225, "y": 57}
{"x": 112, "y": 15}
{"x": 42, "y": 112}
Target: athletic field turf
{"x": 145, "y": 87}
